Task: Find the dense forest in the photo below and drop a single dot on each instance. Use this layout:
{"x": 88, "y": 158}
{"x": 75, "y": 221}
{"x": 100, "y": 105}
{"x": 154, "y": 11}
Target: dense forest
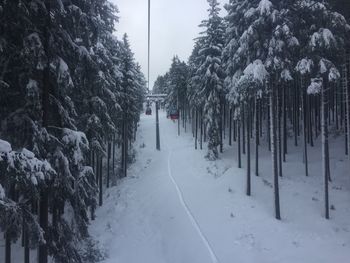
{"x": 71, "y": 96}
{"x": 267, "y": 74}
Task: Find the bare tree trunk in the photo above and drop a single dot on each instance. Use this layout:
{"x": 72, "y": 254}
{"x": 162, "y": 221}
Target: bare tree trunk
{"x": 196, "y": 129}
{"x": 324, "y": 128}
{"x": 113, "y": 157}
{"x": 201, "y": 135}
{"x": 256, "y": 137}
{"x": 248, "y": 150}
{"x": 310, "y": 122}
{"x": 303, "y": 105}
{"x": 274, "y": 151}
{"x": 230, "y": 128}
{"x": 295, "y": 112}
{"x": 221, "y": 125}
{"x": 26, "y": 246}
{"x": 243, "y": 129}
{"x": 284, "y": 123}
{"x": 100, "y": 182}
{"x": 269, "y": 128}
{"x": 108, "y": 161}
{"x": 279, "y": 138}
{"x": 7, "y": 249}
{"x": 239, "y": 142}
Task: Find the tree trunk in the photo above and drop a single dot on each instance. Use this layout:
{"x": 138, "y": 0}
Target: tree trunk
{"x": 239, "y": 143}
{"x": 113, "y": 157}
{"x": 324, "y": 129}
{"x": 43, "y": 221}
{"x": 26, "y": 246}
{"x": 279, "y": 137}
{"x": 269, "y": 127}
{"x": 221, "y": 125}
{"x": 201, "y": 135}
{"x": 100, "y": 182}
{"x": 108, "y": 161}
{"x": 248, "y": 150}
{"x": 196, "y": 129}
{"x": 243, "y": 129}
{"x": 7, "y": 249}
{"x": 303, "y": 105}
{"x": 274, "y": 151}
{"x": 284, "y": 123}
{"x": 256, "y": 137}
{"x": 230, "y": 128}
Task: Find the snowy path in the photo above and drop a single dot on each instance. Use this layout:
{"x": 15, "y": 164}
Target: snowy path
{"x": 176, "y": 207}
{"x": 190, "y": 215}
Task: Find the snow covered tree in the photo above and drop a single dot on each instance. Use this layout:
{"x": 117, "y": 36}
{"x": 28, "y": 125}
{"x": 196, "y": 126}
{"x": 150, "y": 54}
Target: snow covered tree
{"x": 159, "y": 85}
{"x": 211, "y": 74}
{"x": 320, "y": 64}
{"x": 62, "y": 86}
{"x": 23, "y": 177}
{"x": 132, "y": 94}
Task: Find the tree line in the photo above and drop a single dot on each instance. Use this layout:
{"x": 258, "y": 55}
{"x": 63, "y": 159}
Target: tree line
{"x": 269, "y": 73}
{"x": 71, "y": 96}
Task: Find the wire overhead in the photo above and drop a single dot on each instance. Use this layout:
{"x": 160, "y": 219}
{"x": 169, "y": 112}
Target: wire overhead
{"x": 149, "y": 41}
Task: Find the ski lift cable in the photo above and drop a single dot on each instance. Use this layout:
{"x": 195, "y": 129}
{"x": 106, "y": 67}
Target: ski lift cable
{"x": 149, "y": 41}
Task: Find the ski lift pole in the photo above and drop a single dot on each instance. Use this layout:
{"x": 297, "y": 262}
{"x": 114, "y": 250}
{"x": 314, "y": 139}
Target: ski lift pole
{"x": 178, "y": 112}
{"x": 157, "y": 127}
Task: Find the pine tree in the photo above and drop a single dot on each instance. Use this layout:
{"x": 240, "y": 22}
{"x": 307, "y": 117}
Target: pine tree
{"x": 61, "y": 71}
{"x": 211, "y": 73}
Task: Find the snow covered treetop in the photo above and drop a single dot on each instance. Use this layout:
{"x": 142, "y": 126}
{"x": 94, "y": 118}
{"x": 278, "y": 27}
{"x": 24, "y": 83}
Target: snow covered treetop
{"x": 315, "y": 86}
{"x": 257, "y": 71}
{"x": 304, "y": 66}
{"x": 5, "y": 147}
{"x": 265, "y": 7}
{"x": 324, "y": 38}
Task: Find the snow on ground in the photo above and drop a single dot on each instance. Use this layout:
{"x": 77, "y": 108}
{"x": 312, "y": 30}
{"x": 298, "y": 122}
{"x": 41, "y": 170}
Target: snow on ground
{"x": 177, "y": 207}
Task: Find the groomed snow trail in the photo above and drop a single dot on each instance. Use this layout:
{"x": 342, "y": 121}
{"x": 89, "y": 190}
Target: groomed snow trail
{"x": 177, "y": 207}
{"x": 146, "y": 218}
{"x": 190, "y": 215}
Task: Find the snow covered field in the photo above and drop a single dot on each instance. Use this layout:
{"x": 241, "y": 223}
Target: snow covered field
{"x": 177, "y": 207}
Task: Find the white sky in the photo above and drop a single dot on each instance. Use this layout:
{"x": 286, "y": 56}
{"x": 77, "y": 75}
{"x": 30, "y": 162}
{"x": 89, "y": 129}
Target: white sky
{"x": 174, "y": 25}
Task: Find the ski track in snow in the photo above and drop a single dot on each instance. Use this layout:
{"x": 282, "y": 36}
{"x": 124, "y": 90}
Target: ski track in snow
{"x": 194, "y": 222}
{"x": 163, "y": 213}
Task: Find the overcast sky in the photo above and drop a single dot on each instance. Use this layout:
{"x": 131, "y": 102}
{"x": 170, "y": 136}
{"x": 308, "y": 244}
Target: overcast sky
{"x": 174, "y": 25}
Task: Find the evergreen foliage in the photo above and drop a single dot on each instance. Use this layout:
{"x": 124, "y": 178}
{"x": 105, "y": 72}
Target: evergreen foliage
{"x": 65, "y": 80}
